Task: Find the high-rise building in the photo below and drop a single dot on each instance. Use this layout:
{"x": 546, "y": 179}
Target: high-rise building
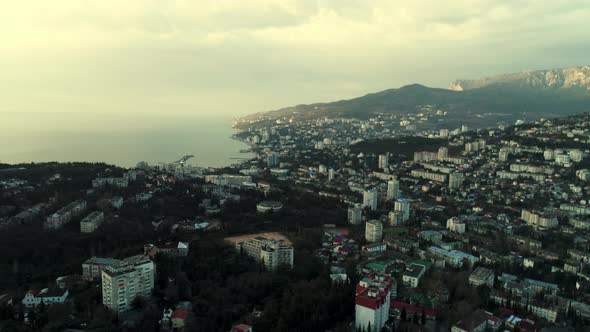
{"x": 393, "y": 189}
{"x": 272, "y": 160}
{"x": 395, "y": 218}
{"x": 403, "y": 207}
{"x": 370, "y": 199}
{"x": 456, "y": 180}
{"x": 384, "y": 162}
{"x": 503, "y": 154}
{"x": 355, "y": 214}
{"x": 444, "y": 133}
{"x": 125, "y": 281}
{"x": 330, "y": 174}
{"x": 269, "y": 252}
{"x": 372, "y": 301}
{"x": 373, "y": 231}
{"x": 443, "y": 152}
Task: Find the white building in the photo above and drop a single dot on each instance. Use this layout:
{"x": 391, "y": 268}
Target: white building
{"x": 454, "y": 258}
{"x": 412, "y": 275}
{"x": 395, "y": 218}
{"x": 122, "y": 182}
{"x": 482, "y": 276}
{"x": 403, "y": 207}
{"x": 65, "y": 214}
{"x": 539, "y": 219}
{"x": 456, "y": 180}
{"x": 383, "y": 162}
{"x": 125, "y": 281}
{"x": 269, "y": 252}
{"x": 503, "y": 154}
{"x": 372, "y": 302}
{"x": 583, "y": 174}
{"x": 576, "y": 155}
{"x": 92, "y": 267}
{"x": 48, "y": 296}
{"x": 374, "y": 231}
{"x": 91, "y": 222}
{"x": 455, "y": 224}
{"x": 443, "y": 152}
{"x": 355, "y": 214}
{"x": 393, "y": 189}
{"x": 370, "y": 198}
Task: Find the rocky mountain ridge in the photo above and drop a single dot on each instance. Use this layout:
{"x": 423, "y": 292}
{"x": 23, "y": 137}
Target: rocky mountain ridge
{"x": 575, "y": 77}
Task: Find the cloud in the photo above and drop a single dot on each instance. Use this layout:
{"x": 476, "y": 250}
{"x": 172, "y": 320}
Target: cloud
{"x": 251, "y": 55}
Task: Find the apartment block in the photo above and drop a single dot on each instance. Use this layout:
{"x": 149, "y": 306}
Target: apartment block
{"x": 127, "y": 280}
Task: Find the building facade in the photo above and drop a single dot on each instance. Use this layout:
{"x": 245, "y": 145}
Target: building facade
{"x": 91, "y": 222}
{"x": 127, "y": 280}
{"x": 374, "y": 231}
{"x": 372, "y": 302}
{"x": 370, "y": 198}
{"x": 269, "y": 252}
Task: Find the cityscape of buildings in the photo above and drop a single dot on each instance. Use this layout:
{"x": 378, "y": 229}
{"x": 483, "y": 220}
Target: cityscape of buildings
{"x": 427, "y": 229}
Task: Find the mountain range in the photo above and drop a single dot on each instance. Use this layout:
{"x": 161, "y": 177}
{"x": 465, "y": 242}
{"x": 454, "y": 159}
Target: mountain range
{"x": 542, "y": 93}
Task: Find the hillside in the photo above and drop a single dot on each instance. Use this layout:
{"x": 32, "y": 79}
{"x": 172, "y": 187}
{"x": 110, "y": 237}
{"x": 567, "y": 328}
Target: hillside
{"x": 479, "y": 103}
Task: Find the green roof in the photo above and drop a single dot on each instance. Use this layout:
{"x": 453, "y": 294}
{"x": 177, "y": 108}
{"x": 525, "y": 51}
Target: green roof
{"x": 380, "y": 265}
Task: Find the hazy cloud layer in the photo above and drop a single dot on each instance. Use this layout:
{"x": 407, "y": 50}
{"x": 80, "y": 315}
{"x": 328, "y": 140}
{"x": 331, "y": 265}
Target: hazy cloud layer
{"x": 250, "y": 55}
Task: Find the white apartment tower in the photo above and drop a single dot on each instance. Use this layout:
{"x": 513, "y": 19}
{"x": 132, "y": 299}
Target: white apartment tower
{"x": 372, "y": 301}
{"x": 355, "y": 214}
{"x": 125, "y": 281}
{"x": 370, "y": 199}
{"x": 384, "y": 162}
{"x": 403, "y": 207}
{"x": 373, "y": 231}
{"x": 443, "y": 152}
{"x": 393, "y": 189}
{"x": 456, "y": 180}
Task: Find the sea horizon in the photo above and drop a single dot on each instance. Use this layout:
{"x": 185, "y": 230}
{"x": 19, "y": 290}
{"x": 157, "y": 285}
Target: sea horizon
{"x": 119, "y": 139}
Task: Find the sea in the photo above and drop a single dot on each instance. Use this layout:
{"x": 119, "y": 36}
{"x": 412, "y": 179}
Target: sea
{"x": 119, "y": 139}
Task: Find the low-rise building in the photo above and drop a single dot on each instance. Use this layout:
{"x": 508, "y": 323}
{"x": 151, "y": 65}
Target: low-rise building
{"x": 456, "y": 225}
{"x": 65, "y": 214}
{"x": 92, "y": 267}
{"x": 46, "y": 296}
{"x": 412, "y": 275}
{"x": 170, "y": 249}
{"x": 482, "y": 277}
{"x": 91, "y": 222}
{"x": 269, "y": 252}
{"x": 478, "y": 321}
{"x": 454, "y": 258}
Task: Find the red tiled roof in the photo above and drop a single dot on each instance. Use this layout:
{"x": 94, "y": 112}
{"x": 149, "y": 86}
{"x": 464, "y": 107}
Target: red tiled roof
{"x": 240, "y": 328}
{"x": 180, "y": 314}
{"x": 411, "y": 308}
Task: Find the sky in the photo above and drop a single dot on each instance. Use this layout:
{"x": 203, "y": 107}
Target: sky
{"x": 235, "y": 57}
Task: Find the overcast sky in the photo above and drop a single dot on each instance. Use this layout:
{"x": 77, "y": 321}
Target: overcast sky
{"x": 244, "y": 56}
